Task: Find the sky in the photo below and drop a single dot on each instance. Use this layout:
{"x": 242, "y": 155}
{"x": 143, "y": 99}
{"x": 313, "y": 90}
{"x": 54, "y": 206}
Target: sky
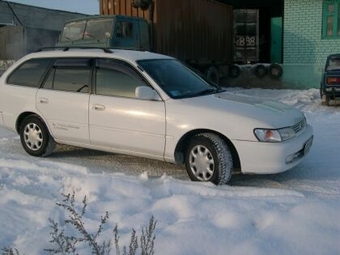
{"x": 80, "y": 6}
{"x": 296, "y": 212}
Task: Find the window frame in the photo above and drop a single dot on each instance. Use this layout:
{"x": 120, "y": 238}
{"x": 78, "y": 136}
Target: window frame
{"x": 69, "y": 63}
{"x": 336, "y": 19}
{"x": 42, "y": 75}
{"x": 117, "y": 65}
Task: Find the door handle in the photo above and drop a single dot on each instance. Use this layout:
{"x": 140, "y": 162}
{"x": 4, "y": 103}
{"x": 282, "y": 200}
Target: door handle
{"x": 43, "y": 100}
{"x": 98, "y": 107}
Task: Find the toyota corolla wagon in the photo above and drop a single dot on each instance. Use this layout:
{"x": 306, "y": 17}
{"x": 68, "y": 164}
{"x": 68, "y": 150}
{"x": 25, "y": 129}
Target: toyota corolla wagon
{"x": 147, "y": 105}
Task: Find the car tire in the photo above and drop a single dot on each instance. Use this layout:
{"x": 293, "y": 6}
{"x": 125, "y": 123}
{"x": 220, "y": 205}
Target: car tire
{"x": 325, "y": 99}
{"x": 208, "y": 159}
{"x": 275, "y": 71}
{"x": 260, "y": 71}
{"x": 234, "y": 71}
{"x": 35, "y": 137}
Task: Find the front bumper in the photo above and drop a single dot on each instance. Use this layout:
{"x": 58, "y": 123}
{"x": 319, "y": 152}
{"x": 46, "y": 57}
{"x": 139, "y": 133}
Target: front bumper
{"x": 270, "y": 158}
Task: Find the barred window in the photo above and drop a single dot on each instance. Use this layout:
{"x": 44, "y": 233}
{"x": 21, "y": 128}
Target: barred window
{"x": 331, "y": 19}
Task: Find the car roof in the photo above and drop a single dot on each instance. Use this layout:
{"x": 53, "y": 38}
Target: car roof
{"x": 128, "y": 55}
{"x": 337, "y": 55}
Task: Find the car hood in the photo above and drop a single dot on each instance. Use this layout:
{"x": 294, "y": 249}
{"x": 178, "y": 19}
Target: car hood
{"x": 263, "y": 113}
{"x": 254, "y": 102}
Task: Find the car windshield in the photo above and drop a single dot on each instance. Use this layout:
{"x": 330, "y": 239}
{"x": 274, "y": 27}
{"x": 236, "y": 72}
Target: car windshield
{"x": 333, "y": 63}
{"x": 176, "y": 79}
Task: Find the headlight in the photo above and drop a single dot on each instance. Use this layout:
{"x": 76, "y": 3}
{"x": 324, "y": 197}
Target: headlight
{"x": 274, "y": 135}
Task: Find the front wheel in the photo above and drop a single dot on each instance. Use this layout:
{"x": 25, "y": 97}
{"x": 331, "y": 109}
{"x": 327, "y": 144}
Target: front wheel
{"x": 35, "y": 137}
{"x": 208, "y": 159}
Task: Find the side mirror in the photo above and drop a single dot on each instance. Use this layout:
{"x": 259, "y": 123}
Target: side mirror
{"x": 146, "y": 93}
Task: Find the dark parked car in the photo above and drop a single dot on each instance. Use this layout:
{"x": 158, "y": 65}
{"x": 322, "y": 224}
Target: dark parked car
{"x": 330, "y": 82}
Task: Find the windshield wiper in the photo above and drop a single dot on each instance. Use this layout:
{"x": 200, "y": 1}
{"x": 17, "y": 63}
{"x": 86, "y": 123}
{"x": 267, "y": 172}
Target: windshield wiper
{"x": 220, "y": 89}
{"x": 205, "y": 92}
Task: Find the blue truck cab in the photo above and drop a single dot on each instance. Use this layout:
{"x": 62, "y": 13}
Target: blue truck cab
{"x": 115, "y": 31}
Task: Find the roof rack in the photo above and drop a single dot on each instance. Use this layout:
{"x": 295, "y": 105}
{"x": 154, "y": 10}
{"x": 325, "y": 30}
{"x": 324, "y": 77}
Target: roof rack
{"x": 67, "y": 48}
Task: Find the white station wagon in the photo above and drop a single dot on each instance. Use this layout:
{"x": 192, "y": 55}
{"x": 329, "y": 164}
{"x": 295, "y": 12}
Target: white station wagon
{"x": 147, "y": 105}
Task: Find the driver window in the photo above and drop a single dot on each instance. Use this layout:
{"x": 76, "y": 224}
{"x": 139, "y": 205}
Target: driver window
{"x": 124, "y": 29}
{"x": 115, "y": 78}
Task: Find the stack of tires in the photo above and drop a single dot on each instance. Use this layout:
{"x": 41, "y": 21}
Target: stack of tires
{"x": 274, "y": 71}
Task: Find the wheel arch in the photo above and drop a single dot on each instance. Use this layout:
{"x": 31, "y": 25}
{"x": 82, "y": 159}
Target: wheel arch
{"x": 24, "y": 115}
{"x": 184, "y": 141}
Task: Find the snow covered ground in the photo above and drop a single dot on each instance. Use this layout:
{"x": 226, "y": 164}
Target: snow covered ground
{"x": 296, "y": 212}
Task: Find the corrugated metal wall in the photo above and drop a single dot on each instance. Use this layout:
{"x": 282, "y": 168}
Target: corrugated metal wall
{"x": 193, "y": 30}
{"x": 120, "y": 7}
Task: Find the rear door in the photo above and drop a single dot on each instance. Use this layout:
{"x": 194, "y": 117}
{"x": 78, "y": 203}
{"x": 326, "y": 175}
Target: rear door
{"x": 120, "y": 121}
{"x": 19, "y": 89}
{"x": 63, "y": 100}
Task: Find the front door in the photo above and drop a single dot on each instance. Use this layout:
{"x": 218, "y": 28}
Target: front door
{"x": 119, "y": 121}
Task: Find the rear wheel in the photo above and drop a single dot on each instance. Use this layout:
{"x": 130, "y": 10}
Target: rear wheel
{"x": 208, "y": 159}
{"x": 35, "y": 137}
{"x": 325, "y": 99}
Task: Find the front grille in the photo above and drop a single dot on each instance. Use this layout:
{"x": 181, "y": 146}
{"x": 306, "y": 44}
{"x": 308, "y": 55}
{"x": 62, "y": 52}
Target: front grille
{"x": 300, "y": 126}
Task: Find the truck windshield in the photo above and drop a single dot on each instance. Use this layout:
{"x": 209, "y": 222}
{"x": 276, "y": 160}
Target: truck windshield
{"x": 91, "y": 29}
{"x": 176, "y": 79}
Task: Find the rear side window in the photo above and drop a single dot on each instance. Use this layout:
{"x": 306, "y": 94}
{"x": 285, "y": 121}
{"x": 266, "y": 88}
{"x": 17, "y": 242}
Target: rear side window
{"x": 30, "y": 73}
{"x": 72, "y": 75}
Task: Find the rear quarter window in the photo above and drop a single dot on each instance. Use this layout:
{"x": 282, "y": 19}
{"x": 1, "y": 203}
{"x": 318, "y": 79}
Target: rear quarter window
{"x": 30, "y": 73}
